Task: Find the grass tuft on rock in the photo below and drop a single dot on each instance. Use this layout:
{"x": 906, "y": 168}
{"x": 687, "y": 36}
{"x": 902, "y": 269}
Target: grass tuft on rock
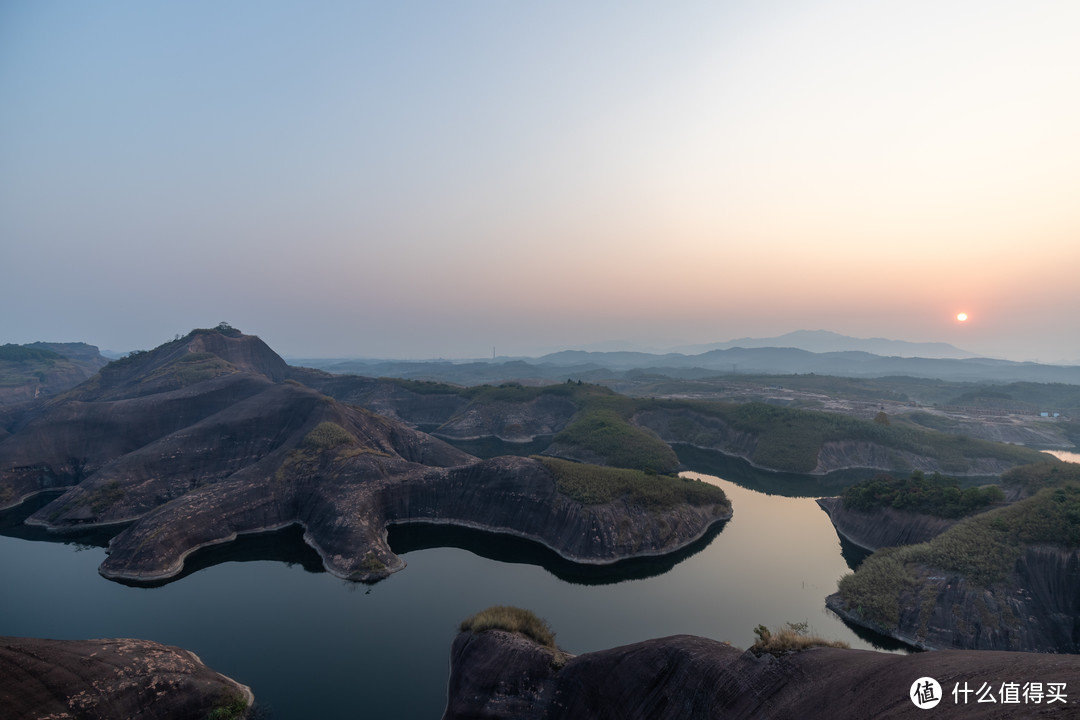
{"x": 230, "y": 707}
{"x": 327, "y": 435}
{"x": 511, "y": 619}
{"x": 793, "y": 637}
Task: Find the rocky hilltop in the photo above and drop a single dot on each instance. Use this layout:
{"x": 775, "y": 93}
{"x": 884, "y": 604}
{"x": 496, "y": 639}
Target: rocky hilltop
{"x": 112, "y": 680}
{"x": 208, "y": 437}
{"x": 497, "y": 674}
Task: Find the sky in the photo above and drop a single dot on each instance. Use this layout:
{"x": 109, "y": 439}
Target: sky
{"x": 445, "y": 179}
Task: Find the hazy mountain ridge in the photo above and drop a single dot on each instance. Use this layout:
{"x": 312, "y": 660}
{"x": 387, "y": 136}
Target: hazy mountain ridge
{"x": 803, "y": 352}
{"x": 822, "y": 341}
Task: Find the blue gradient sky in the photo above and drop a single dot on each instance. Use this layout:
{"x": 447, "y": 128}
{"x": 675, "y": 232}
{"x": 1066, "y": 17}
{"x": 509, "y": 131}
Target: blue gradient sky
{"x": 433, "y": 179}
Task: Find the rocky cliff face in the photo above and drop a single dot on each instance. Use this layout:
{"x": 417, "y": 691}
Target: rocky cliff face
{"x": 512, "y": 422}
{"x": 109, "y": 680}
{"x": 848, "y": 454}
{"x": 495, "y": 674}
{"x": 884, "y": 527}
{"x": 703, "y": 431}
{"x": 518, "y": 496}
{"x": 1036, "y": 609}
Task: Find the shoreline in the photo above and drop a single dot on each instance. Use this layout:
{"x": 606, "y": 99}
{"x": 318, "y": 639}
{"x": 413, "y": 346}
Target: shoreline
{"x": 178, "y": 568}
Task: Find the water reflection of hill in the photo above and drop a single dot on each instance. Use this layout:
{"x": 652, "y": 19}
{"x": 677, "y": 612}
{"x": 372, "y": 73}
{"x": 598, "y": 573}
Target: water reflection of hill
{"x": 12, "y": 525}
{"x": 287, "y": 545}
{"x": 509, "y": 549}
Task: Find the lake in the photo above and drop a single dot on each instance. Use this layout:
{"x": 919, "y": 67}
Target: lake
{"x": 311, "y": 645}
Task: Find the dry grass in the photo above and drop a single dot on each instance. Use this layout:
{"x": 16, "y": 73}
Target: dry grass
{"x": 793, "y": 637}
{"x": 511, "y": 619}
{"x": 328, "y": 435}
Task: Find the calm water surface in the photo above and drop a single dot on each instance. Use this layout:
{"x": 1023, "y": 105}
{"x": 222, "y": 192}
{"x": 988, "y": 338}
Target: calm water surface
{"x": 312, "y": 645}
{"x": 1065, "y": 455}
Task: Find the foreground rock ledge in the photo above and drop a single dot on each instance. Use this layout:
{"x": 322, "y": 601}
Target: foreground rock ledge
{"x": 495, "y": 674}
{"x": 108, "y": 680}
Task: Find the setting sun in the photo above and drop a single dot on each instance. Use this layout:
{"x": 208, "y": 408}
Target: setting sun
{"x": 962, "y": 317}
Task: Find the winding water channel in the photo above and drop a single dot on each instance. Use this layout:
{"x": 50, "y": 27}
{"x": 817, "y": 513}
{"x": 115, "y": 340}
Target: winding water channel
{"x": 311, "y": 645}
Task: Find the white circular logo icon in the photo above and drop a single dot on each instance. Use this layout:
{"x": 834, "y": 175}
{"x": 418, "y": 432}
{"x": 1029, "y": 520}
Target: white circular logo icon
{"x": 925, "y": 693}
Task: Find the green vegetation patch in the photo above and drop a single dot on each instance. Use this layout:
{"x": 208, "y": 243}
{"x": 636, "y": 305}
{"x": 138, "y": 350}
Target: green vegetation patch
{"x": 511, "y": 619}
{"x": 372, "y": 563}
{"x": 327, "y": 435}
{"x": 230, "y": 707}
{"x": 790, "y": 439}
{"x": 513, "y": 392}
{"x": 983, "y": 548}
{"x": 425, "y": 387}
{"x": 1032, "y": 478}
{"x": 793, "y": 637}
{"x": 932, "y": 495}
{"x": 604, "y": 431}
{"x": 222, "y": 328}
{"x": 874, "y": 589}
{"x": 19, "y": 353}
{"x": 595, "y": 485}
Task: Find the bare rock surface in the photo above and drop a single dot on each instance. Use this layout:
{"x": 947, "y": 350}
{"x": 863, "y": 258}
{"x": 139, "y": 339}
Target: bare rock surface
{"x": 884, "y": 527}
{"x": 114, "y": 679}
{"x": 495, "y": 674}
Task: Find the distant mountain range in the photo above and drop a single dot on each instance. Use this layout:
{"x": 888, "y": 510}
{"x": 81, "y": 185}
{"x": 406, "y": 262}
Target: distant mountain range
{"x": 824, "y": 341}
{"x": 743, "y": 357}
{"x": 787, "y": 361}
